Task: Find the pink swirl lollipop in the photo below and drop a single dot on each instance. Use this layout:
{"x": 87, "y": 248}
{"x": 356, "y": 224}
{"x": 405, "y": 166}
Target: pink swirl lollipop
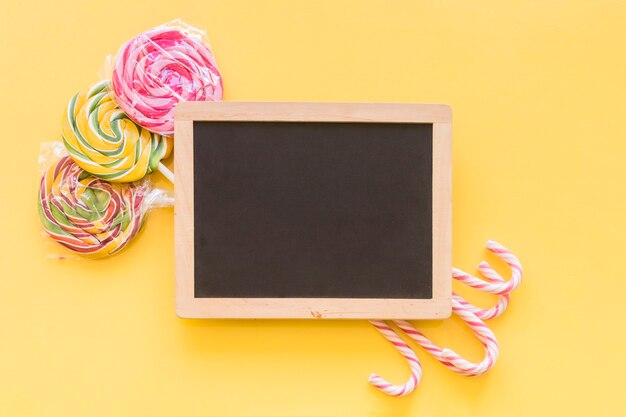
{"x": 160, "y": 67}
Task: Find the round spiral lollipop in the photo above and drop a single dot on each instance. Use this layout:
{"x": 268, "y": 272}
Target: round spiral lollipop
{"x": 157, "y": 69}
{"x": 86, "y": 214}
{"x": 103, "y": 141}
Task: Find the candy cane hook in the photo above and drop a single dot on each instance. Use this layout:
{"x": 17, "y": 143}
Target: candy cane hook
{"x": 409, "y": 355}
{"x": 494, "y": 287}
{"x": 450, "y": 358}
{"x": 484, "y": 314}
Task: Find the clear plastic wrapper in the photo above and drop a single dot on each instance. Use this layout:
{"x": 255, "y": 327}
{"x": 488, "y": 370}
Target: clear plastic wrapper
{"x": 160, "y": 67}
{"x": 105, "y": 142}
{"x": 90, "y": 217}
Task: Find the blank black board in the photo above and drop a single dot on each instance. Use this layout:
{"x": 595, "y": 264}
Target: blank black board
{"x": 312, "y": 210}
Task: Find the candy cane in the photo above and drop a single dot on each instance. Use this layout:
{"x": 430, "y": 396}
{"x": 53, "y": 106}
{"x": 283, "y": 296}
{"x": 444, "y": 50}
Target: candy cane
{"x": 450, "y": 358}
{"x": 409, "y": 355}
{"x": 494, "y": 287}
{"x": 484, "y": 314}
{"x": 472, "y": 315}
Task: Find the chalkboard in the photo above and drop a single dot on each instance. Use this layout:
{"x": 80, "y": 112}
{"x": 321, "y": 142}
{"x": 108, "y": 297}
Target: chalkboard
{"x": 316, "y": 210}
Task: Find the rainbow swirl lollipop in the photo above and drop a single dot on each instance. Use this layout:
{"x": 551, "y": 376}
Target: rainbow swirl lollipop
{"x": 103, "y": 141}
{"x": 88, "y": 215}
{"x": 158, "y": 68}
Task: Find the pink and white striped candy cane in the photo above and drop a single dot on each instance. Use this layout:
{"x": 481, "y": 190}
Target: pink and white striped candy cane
{"x": 409, "y": 355}
{"x": 472, "y": 315}
{"x": 450, "y": 358}
{"x": 484, "y": 314}
{"x": 492, "y": 287}
{"x": 495, "y": 284}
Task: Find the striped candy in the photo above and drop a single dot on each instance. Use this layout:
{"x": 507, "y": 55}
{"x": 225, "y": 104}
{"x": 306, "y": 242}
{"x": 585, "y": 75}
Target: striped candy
{"x": 472, "y": 315}
{"x": 103, "y": 141}
{"x": 158, "y": 68}
{"x": 450, "y": 358}
{"x": 409, "y": 355}
{"x": 88, "y": 215}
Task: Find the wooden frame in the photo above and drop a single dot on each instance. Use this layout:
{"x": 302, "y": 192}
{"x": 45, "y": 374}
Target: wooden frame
{"x": 439, "y": 306}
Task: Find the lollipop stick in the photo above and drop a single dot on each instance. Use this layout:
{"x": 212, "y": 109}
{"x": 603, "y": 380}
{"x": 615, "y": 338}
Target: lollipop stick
{"x": 166, "y": 172}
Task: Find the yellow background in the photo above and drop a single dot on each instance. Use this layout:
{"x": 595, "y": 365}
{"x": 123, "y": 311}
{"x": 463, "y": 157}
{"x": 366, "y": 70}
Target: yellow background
{"x": 538, "y": 95}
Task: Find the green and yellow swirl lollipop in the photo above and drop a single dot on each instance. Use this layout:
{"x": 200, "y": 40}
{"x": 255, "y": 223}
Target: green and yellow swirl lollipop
{"x": 105, "y": 142}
